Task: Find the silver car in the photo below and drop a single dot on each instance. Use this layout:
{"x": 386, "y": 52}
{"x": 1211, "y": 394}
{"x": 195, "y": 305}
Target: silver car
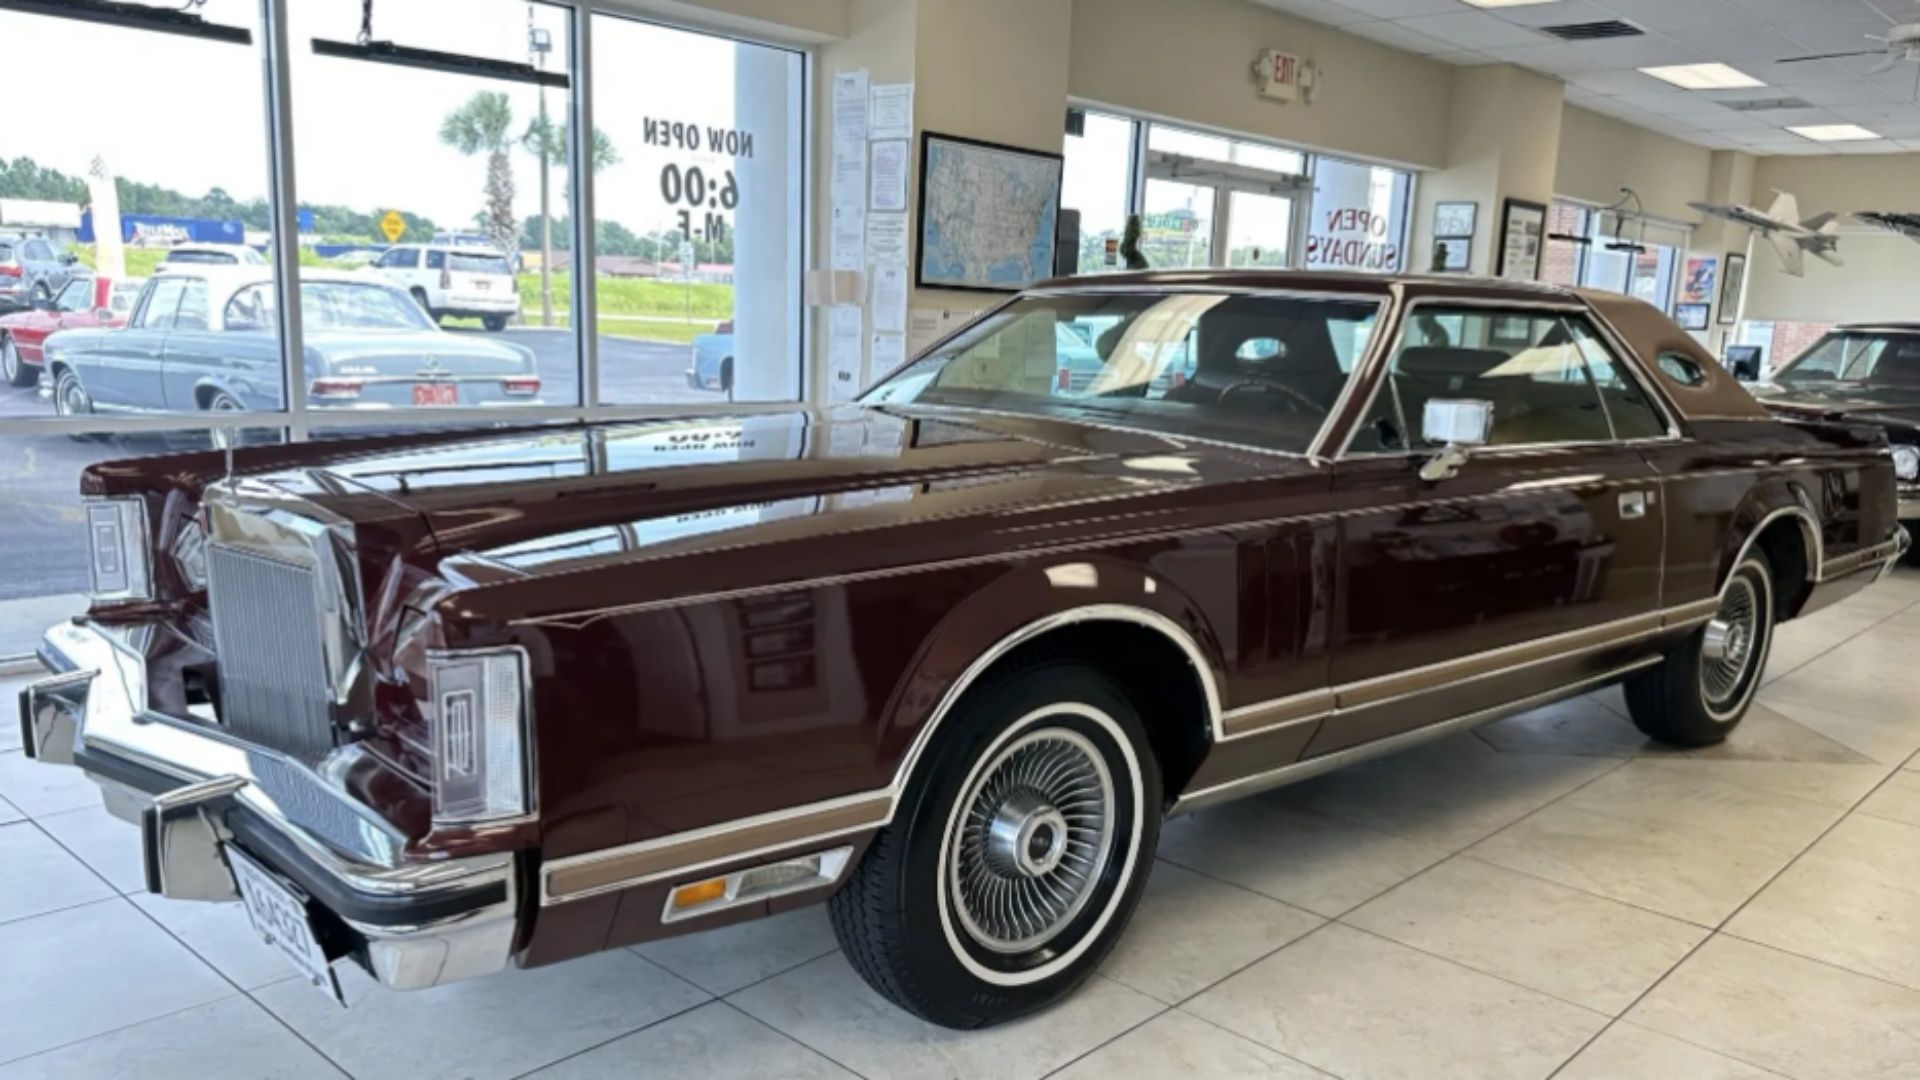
{"x": 33, "y": 268}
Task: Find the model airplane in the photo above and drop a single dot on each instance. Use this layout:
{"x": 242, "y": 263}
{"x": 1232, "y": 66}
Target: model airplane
{"x": 1780, "y": 224}
{"x": 1905, "y": 223}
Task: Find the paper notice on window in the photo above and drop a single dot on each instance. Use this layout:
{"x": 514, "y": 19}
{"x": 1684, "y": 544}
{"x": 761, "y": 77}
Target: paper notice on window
{"x": 849, "y": 183}
{"x": 887, "y": 239}
{"x": 892, "y": 116}
{"x": 844, "y": 375}
{"x": 850, "y": 104}
{"x": 889, "y": 352}
{"x": 889, "y": 188}
{"x": 923, "y": 329}
{"x": 849, "y": 236}
{"x": 890, "y": 299}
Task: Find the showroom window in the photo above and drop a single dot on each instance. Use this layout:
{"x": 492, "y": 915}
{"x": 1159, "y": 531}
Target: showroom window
{"x": 1208, "y": 200}
{"x": 1602, "y": 249}
{"x": 430, "y": 213}
{"x": 699, "y": 214}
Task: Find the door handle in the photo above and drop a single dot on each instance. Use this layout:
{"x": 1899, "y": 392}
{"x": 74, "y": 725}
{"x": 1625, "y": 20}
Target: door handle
{"x": 1633, "y": 504}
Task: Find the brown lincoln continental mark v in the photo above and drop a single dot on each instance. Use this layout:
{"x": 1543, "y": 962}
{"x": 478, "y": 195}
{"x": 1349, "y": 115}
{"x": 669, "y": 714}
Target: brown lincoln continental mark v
{"x": 443, "y": 704}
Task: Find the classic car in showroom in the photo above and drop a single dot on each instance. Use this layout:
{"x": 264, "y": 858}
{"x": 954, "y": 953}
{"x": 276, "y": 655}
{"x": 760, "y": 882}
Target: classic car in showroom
{"x": 443, "y": 704}
{"x": 205, "y": 338}
{"x": 1868, "y": 374}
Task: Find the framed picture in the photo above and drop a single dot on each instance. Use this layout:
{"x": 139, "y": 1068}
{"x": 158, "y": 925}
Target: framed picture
{"x": 1454, "y": 220}
{"x": 1523, "y": 231}
{"x": 1690, "y": 316}
{"x": 1696, "y": 287}
{"x": 1731, "y": 286}
{"x": 989, "y": 214}
{"x": 1451, "y": 254}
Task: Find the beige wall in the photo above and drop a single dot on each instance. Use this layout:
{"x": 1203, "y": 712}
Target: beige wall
{"x": 1192, "y": 60}
{"x": 1599, "y": 155}
{"x": 1502, "y": 128}
{"x": 1881, "y": 278}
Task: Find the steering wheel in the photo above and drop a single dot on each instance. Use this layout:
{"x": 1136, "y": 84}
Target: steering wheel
{"x": 1301, "y": 403}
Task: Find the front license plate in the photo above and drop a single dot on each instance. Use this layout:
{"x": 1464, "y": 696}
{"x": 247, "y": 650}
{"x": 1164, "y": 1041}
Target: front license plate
{"x": 436, "y": 394}
{"x": 280, "y": 916}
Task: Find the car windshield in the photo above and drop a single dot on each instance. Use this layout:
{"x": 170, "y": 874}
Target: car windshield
{"x": 468, "y": 263}
{"x": 1259, "y": 370}
{"x": 330, "y": 305}
{"x": 1856, "y": 356}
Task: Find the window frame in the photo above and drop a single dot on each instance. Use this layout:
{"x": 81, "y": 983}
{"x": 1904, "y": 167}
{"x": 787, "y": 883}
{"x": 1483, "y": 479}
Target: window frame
{"x": 1386, "y": 347}
{"x": 139, "y": 320}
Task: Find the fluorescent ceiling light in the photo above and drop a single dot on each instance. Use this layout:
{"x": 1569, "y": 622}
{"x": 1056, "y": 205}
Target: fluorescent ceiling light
{"x": 1703, "y": 77}
{"x": 1508, "y": 3}
{"x": 1835, "y": 133}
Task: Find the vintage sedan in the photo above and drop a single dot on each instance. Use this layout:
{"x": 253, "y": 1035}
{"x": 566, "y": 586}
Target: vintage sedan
{"x": 443, "y": 704}
{"x": 206, "y": 338}
{"x": 1869, "y": 374}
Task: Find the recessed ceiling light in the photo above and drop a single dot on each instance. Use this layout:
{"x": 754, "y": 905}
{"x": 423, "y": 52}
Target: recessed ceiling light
{"x": 1835, "y": 133}
{"x": 1703, "y": 77}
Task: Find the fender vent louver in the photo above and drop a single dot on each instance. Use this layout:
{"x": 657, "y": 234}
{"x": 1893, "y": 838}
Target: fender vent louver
{"x": 1593, "y": 31}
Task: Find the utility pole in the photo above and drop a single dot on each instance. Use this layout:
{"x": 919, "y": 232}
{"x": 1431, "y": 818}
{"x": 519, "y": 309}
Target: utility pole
{"x": 539, "y": 44}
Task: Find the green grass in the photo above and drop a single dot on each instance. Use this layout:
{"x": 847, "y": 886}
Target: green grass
{"x": 637, "y": 296}
{"x": 671, "y": 333}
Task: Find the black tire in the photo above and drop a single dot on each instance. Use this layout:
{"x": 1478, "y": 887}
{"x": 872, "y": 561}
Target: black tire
{"x": 494, "y": 323}
{"x": 904, "y": 922}
{"x": 1698, "y": 695}
{"x": 15, "y": 371}
{"x": 221, "y": 401}
{"x": 726, "y": 375}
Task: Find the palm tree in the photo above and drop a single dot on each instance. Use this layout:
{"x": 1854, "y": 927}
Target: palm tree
{"x": 481, "y": 126}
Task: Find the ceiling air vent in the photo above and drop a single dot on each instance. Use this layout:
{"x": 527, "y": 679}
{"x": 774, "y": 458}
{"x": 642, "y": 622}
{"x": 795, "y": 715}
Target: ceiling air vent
{"x": 1767, "y": 104}
{"x": 1593, "y": 31}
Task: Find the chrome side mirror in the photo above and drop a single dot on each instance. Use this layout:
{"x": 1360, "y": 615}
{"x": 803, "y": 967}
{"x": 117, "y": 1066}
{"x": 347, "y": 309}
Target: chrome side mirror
{"x": 1457, "y": 424}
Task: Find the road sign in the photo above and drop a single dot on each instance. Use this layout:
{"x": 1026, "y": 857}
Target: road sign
{"x": 393, "y": 226}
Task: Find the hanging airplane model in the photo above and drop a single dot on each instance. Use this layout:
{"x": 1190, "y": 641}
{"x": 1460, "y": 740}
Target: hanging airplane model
{"x": 1905, "y": 223}
{"x": 1792, "y": 238}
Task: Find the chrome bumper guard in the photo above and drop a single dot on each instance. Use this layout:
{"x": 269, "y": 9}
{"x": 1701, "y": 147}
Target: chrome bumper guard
{"x": 417, "y": 924}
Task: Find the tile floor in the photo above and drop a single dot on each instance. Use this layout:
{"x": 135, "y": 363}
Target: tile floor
{"x": 1547, "y": 896}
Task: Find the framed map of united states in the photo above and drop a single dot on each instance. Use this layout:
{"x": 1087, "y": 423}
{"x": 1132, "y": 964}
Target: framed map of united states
{"x": 989, "y": 214}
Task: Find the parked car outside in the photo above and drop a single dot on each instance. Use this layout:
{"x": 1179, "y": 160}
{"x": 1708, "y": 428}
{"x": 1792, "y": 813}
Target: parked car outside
{"x": 442, "y": 704}
{"x": 207, "y": 339}
{"x": 1867, "y": 373}
{"x": 33, "y": 267}
{"x": 84, "y": 303}
{"x": 712, "y": 367}
{"x": 211, "y": 255}
{"x": 463, "y": 282}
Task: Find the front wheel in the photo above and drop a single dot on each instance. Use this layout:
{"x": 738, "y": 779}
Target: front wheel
{"x": 1016, "y": 856}
{"x": 1699, "y": 694}
{"x": 13, "y": 369}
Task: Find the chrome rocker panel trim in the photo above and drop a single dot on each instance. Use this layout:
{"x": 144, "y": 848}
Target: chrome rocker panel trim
{"x": 205, "y": 790}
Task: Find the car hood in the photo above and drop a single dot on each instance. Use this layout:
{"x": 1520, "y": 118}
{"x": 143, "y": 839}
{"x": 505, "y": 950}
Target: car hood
{"x": 1875, "y": 402}
{"x": 799, "y": 493}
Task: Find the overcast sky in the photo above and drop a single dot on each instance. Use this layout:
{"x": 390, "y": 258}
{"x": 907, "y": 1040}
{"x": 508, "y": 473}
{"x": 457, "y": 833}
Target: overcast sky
{"x": 187, "y": 114}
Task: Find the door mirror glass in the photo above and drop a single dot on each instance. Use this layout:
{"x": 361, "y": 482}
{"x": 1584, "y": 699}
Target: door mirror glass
{"x": 1456, "y": 422}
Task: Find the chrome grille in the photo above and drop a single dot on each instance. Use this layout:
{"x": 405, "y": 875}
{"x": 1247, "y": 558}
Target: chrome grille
{"x": 266, "y": 628}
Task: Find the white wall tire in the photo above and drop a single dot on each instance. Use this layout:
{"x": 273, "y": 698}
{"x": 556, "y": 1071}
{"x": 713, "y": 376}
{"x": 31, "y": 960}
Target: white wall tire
{"x": 1702, "y": 690}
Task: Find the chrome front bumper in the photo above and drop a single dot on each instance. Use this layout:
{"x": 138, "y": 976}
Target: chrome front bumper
{"x": 411, "y": 923}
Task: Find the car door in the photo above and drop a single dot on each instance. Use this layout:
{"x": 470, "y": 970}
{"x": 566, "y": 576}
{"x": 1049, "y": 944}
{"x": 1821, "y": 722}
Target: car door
{"x": 1518, "y": 570}
{"x": 122, "y": 369}
{"x": 238, "y": 355}
{"x": 70, "y": 307}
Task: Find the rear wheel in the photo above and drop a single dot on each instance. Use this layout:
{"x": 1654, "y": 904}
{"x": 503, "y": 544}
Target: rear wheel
{"x": 494, "y": 323}
{"x": 1015, "y": 858}
{"x": 420, "y": 297}
{"x": 13, "y": 369}
{"x": 726, "y": 375}
{"x": 69, "y": 396}
{"x": 1699, "y": 694}
{"x": 222, "y": 401}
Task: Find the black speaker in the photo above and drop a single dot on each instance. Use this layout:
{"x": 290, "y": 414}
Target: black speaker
{"x": 1066, "y": 244}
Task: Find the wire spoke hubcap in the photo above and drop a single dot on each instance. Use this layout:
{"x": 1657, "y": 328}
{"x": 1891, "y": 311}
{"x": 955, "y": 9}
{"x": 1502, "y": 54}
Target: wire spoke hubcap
{"x": 1727, "y": 646}
{"x": 1027, "y": 850}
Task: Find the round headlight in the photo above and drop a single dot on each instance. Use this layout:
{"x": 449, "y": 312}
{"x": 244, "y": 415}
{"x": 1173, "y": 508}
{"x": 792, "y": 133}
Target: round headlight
{"x": 1906, "y": 462}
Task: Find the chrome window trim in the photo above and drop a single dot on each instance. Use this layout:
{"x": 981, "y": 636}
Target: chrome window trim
{"x": 1604, "y": 329}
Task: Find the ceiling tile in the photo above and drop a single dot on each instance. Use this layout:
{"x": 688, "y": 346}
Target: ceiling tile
{"x": 1835, "y": 35}
{"x": 1396, "y": 9}
{"x": 1398, "y": 36}
{"x": 1846, "y": 93}
{"x": 1555, "y": 14}
{"x": 1616, "y": 82}
{"x": 1465, "y": 58}
{"x": 1558, "y": 58}
{"x": 1805, "y": 73}
{"x": 1661, "y": 102}
{"x": 1783, "y": 11}
{"x": 1474, "y": 30}
{"x": 1638, "y": 52}
{"x": 1726, "y": 120}
{"x": 1324, "y": 12}
{"x": 1680, "y": 14}
{"x": 1734, "y": 44}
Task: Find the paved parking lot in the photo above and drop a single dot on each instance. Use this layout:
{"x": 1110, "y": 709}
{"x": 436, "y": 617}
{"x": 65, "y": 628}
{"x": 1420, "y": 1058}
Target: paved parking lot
{"x": 1549, "y": 895}
{"x": 41, "y": 475}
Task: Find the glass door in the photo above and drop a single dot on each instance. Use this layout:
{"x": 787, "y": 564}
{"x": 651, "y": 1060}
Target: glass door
{"x": 1177, "y": 229}
{"x": 1259, "y": 230}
